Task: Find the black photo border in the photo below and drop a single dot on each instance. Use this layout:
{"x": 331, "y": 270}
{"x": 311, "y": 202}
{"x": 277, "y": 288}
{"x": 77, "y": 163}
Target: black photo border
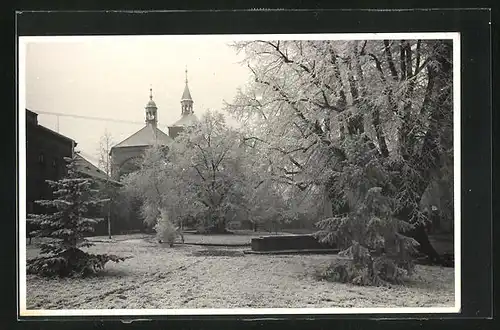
{"x": 474, "y": 26}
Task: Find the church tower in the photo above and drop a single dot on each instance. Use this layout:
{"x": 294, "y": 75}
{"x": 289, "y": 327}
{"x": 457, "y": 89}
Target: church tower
{"x": 151, "y": 111}
{"x": 126, "y": 154}
{"x": 188, "y": 117}
{"x": 186, "y": 100}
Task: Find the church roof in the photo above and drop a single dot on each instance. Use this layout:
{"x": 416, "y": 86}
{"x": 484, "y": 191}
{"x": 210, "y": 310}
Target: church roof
{"x": 151, "y": 104}
{"x": 87, "y": 168}
{"x": 146, "y": 136}
{"x": 186, "y": 95}
{"x": 186, "y": 120}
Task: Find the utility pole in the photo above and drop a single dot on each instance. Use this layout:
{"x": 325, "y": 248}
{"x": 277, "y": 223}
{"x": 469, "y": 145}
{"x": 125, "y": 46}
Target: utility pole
{"x": 108, "y": 173}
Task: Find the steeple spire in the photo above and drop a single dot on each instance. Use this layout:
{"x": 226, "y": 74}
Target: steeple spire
{"x": 151, "y": 109}
{"x": 186, "y": 99}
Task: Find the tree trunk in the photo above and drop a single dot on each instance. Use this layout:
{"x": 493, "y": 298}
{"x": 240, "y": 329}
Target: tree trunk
{"x": 218, "y": 225}
{"x": 221, "y": 226}
{"x": 419, "y": 234}
{"x": 436, "y": 102}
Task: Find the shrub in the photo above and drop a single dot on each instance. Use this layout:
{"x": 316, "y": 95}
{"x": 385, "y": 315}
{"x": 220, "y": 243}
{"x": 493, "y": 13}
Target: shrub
{"x": 165, "y": 229}
{"x": 383, "y": 271}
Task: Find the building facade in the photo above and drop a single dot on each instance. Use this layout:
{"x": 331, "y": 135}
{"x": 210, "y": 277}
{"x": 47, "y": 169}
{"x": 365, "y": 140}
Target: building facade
{"x": 45, "y": 153}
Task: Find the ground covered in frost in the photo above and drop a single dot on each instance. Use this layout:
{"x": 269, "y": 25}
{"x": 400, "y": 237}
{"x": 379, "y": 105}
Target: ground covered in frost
{"x": 193, "y": 276}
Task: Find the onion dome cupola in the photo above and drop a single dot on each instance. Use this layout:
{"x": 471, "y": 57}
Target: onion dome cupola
{"x": 151, "y": 110}
{"x": 186, "y": 100}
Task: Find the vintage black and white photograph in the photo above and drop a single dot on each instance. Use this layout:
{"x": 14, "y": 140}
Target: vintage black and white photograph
{"x": 202, "y": 174}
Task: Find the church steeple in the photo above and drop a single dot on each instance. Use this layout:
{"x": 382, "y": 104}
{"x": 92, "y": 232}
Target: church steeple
{"x": 186, "y": 99}
{"x": 151, "y": 110}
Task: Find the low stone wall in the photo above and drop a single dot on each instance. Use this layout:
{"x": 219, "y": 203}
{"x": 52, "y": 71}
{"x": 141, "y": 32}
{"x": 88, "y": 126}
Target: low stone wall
{"x": 288, "y": 242}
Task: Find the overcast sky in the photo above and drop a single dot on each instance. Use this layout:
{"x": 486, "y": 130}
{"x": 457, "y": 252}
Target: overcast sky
{"x": 111, "y": 77}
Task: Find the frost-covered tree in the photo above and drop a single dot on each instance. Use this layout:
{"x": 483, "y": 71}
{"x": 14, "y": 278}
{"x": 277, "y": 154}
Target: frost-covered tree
{"x": 62, "y": 253}
{"x": 199, "y": 176}
{"x": 268, "y": 202}
{"x": 146, "y": 183}
{"x": 313, "y": 104}
{"x": 209, "y": 155}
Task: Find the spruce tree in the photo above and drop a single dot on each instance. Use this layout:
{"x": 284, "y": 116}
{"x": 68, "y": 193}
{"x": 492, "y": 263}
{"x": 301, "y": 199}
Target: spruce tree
{"x": 66, "y": 227}
{"x": 367, "y": 230}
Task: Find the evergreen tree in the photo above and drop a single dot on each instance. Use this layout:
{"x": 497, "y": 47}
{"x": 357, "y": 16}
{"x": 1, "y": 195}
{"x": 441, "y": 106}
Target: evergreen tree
{"x": 368, "y": 231}
{"x": 73, "y": 197}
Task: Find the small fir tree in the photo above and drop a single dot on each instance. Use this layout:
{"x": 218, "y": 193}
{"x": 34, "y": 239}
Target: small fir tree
{"x": 166, "y": 230}
{"x": 65, "y": 228}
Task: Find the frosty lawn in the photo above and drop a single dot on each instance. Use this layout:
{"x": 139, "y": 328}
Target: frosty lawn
{"x": 186, "y": 277}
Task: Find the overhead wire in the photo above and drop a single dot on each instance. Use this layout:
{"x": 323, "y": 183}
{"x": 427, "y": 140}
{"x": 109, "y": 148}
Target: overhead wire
{"x": 59, "y": 114}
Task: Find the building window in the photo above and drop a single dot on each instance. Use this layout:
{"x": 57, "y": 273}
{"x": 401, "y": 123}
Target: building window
{"x": 41, "y": 159}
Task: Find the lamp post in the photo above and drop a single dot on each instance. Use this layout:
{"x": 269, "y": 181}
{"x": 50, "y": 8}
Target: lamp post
{"x": 108, "y": 173}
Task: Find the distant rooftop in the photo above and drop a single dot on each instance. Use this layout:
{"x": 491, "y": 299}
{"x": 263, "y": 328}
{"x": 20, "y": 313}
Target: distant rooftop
{"x": 146, "y": 136}
{"x": 87, "y": 168}
{"x": 32, "y": 117}
{"x": 186, "y": 120}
